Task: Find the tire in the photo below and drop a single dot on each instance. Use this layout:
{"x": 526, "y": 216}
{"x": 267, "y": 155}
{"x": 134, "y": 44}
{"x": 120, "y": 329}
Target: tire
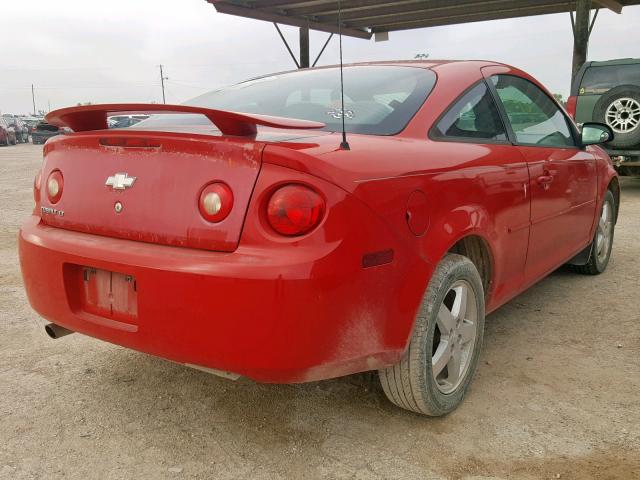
{"x": 410, "y": 384}
{"x": 601, "y": 253}
{"x": 606, "y": 110}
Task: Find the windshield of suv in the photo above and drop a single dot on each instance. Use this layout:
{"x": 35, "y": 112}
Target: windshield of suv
{"x": 598, "y": 80}
{"x": 379, "y": 100}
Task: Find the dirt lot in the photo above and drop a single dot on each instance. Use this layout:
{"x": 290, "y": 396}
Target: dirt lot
{"x": 557, "y": 394}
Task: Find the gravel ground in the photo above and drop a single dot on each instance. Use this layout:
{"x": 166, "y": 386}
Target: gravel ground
{"x": 557, "y": 394}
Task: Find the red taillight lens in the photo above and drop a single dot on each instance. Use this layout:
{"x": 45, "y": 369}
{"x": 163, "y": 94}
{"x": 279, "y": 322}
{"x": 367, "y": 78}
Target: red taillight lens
{"x": 216, "y": 201}
{"x": 55, "y": 184}
{"x": 295, "y": 210}
{"x": 572, "y": 103}
{"x": 36, "y": 188}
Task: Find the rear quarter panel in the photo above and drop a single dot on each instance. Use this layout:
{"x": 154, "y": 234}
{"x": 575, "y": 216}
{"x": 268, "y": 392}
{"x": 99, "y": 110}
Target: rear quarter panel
{"x": 584, "y": 107}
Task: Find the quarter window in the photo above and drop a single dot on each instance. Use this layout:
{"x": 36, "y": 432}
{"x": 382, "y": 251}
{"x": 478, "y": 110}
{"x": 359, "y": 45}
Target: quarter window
{"x": 473, "y": 116}
{"x": 534, "y": 117}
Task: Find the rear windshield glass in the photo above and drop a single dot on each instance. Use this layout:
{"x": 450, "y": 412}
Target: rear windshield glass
{"x": 379, "y": 100}
{"x": 598, "y": 80}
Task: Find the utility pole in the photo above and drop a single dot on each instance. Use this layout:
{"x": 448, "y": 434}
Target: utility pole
{"x": 33, "y": 99}
{"x": 162, "y": 79}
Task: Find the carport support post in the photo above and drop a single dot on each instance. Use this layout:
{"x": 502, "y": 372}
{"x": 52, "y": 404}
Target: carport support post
{"x": 580, "y": 35}
{"x": 304, "y": 47}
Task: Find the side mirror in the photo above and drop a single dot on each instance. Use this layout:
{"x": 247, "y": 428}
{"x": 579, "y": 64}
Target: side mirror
{"x": 594, "y": 133}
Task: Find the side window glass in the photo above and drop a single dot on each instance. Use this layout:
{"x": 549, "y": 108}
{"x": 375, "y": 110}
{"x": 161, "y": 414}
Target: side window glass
{"x": 474, "y": 115}
{"x": 534, "y": 117}
{"x": 599, "y": 80}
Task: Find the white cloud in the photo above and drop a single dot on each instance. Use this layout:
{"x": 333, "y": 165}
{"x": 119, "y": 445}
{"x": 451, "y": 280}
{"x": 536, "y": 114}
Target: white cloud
{"x": 90, "y": 50}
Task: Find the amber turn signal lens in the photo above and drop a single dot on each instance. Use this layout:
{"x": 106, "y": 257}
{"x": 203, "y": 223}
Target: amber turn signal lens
{"x": 55, "y": 184}
{"x": 216, "y": 201}
{"x": 295, "y": 210}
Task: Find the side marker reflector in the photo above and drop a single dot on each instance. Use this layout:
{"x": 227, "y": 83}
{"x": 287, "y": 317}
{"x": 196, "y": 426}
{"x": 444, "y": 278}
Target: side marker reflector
{"x": 377, "y": 258}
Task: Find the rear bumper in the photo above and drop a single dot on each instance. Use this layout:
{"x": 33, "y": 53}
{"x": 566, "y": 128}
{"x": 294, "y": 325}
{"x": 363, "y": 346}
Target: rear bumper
{"x": 268, "y": 314}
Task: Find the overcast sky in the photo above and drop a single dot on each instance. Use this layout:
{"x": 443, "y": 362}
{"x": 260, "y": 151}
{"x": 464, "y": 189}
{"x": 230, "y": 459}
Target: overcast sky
{"x": 109, "y": 51}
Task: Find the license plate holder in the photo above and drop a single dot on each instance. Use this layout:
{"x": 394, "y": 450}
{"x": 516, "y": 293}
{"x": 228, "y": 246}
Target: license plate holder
{"x": 109, "y": 294}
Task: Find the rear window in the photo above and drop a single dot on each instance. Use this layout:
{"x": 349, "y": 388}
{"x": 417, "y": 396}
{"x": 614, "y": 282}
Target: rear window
{"x": 598, "y": 80}
{"x": 378, "y": 100}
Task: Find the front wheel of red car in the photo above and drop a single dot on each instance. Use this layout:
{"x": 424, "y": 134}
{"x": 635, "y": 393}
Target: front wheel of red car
{"x": 437, "y": 368}
{"x": 602, "y": 243}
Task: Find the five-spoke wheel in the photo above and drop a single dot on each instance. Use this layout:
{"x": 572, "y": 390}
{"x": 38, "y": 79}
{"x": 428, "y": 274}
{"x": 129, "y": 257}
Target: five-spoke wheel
{"x": 433, "y": 375}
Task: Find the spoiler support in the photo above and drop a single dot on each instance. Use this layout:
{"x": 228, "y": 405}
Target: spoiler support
{"x": 94, "y": 117}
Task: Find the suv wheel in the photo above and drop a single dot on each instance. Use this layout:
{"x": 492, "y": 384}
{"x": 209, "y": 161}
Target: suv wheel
{"x": 620, "y": 109}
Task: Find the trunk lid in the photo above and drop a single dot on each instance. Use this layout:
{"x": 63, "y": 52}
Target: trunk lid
{"x": 161, "y": 205}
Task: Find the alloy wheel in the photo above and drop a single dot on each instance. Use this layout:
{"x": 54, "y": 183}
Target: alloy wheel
{"x": 623, "y": 115}
{"x": 454, "y": 338}
{"x": 604, "y": 232}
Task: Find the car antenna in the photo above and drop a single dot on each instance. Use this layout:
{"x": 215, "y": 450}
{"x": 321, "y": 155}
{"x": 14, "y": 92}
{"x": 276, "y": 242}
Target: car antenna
{"x": 344, "y": 145}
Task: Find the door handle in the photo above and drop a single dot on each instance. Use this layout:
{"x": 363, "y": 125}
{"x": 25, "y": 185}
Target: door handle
{"x": 545, "y": 180}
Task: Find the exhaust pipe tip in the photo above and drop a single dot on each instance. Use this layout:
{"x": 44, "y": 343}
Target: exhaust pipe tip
{"x": 56, "y": 331}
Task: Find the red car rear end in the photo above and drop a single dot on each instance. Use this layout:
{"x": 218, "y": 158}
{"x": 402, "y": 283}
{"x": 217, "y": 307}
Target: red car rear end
{"x": 121, "y": 246}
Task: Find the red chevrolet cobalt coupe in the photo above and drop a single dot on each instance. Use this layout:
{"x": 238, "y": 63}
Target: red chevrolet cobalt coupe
{"x": 257, "y": 244}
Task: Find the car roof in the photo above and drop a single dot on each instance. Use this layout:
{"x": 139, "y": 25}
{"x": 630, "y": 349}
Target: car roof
{"x": 429, "y": 64}
{"x": 617, "y": 61}
{"x": 418, "y": 63}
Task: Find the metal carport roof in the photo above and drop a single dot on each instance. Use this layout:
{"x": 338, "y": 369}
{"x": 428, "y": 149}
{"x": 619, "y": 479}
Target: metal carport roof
{"x": 365, "y": 18}
{"x": 362, "y": 18}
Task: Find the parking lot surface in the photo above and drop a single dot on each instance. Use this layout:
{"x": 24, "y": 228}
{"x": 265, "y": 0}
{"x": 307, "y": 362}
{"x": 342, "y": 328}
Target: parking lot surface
{"x": 557, "y": 394}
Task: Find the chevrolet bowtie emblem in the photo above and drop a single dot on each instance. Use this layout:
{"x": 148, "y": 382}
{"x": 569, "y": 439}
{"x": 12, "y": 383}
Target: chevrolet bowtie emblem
{"x": 120, "y": 181}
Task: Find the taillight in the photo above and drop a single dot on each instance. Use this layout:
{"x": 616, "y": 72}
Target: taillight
{"x": 216, "y": 201}
{"x": 55, "y": 184}
{"x": 295, "y": 210}
{"x": 36, "y": 187}
{"x": 572, "y": 103}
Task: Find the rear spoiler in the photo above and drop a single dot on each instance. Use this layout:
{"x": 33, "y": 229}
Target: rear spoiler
{"x": 94, "y": 117}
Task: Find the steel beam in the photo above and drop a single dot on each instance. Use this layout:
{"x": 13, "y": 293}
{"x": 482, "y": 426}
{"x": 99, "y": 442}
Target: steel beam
{"x": 304, "y": 47}
{"x": 612, "y": 5}
{"x": 287, "y": 20}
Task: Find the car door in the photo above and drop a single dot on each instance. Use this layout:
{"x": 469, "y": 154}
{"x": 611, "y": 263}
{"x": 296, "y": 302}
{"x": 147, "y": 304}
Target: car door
{"x": 472, "y": 136}
{"x": 563, "y": 178}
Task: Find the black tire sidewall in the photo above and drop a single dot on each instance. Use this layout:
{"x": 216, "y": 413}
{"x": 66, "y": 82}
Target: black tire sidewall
{"x": 621, "y": 140}
{"x": 460, "y": 269}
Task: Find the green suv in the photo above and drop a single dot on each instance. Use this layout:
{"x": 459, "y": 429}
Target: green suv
{"x": 609, "y": 92}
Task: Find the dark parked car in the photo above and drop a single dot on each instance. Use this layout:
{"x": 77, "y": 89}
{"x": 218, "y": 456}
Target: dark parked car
{"x": 7, "y": 133}
{"x": 21, "y": 128}
{"x": 609, "y": 92}
{"x": 43, "y": 132}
